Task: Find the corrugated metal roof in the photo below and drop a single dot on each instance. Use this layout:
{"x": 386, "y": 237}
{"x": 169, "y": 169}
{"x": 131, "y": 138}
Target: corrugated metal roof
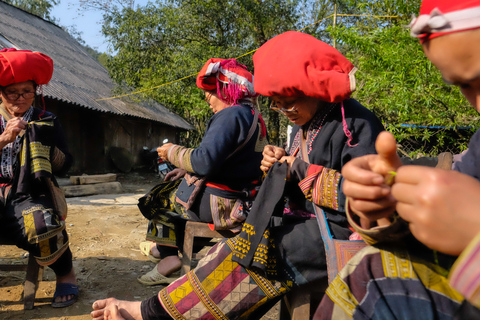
{"x": 78, "y": 78}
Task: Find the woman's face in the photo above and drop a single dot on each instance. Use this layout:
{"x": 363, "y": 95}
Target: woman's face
{"x": 18, "y": 97}
{"x": 457, "y": 56}
{"x": 298, "y": 110}
{"x": 214, "y": 101}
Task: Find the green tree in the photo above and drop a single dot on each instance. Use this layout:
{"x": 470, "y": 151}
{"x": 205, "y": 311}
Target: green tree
{"x": 396, "y": 80}
{"x": 40, "y": 8}
{"x": 162, "y": 42}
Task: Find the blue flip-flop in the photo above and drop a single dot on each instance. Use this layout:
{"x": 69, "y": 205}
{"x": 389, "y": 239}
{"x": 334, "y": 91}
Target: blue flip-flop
{"x": 65, "y": 289}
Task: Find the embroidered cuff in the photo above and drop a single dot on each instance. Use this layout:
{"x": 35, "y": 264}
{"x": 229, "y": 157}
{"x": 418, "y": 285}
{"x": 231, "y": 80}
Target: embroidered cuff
{"x": 395, "y": 231}
{"x": 321, "y": 186}
{"x": 465, "y": 273}
{"x": 180, "y": 157}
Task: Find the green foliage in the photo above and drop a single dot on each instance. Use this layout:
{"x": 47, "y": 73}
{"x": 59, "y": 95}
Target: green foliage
{"x": 162, "y": 42}
{"x": 40, "y": 8}
{"x": 155, "y": 45}
{"x": 401, "y": 86}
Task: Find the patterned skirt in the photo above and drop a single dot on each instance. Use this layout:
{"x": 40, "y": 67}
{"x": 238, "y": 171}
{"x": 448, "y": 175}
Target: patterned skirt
{"x": 395, "y": 281}
{"x": 33, "y": 225}
{"x": 219, "y": 288}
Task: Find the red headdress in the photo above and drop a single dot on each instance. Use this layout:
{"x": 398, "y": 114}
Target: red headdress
{"x": 236, "y": 79}
{"x": 441, "y": 17}
{"x": 295, "y": 63}
{"x": 23, "y": 65}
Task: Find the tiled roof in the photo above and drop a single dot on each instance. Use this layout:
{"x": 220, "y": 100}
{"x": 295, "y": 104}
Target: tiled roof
{"x": 78, "y": 78}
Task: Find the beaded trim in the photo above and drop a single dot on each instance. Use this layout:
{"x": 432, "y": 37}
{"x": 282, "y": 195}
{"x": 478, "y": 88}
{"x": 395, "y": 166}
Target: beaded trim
{"x": 312, "y": 132}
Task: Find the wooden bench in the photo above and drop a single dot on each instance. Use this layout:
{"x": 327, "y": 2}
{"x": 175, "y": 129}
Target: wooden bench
{"x": 198, "y": 233}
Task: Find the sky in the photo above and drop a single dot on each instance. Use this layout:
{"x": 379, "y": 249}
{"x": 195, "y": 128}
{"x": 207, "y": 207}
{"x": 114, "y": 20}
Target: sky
{"x": 87, "y": 22}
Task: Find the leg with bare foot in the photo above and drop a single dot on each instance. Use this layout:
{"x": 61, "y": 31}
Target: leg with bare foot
{"x": 114, "y": 309}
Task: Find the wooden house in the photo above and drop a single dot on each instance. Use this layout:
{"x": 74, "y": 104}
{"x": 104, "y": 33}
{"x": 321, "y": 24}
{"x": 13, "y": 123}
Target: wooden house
{"x": 92, "y": 126}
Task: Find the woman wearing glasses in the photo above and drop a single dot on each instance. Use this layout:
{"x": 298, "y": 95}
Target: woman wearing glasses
{"x": 33, "y": 148}
{"x": 310, "y": 83}
{"x": 226, "y": 166}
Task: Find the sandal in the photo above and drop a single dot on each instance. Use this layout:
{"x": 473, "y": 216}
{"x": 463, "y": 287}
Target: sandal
{"x": 145, "y": 249}
{"x": 65, "y": 289}
{"x": 153, "y": 278}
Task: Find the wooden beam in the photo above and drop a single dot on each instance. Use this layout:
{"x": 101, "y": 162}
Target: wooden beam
{"x": 89, "y": 179}
{"x": 91, "y": 189}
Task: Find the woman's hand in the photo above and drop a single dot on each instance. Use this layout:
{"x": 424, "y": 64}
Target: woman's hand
{"x": 442, "y": 207}
{"x": 289, "y": 160}
{"x": 366, "y": 184}
{"x": 271, "y": 154}
{"x": 175, "y": 174}
{"x": 163, "y": 150}
{"x": 13, "y": 128}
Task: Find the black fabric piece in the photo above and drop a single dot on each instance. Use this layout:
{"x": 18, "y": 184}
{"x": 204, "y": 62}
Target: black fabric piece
{"x": 157, "y": 199}
{"x": 167, "y": 251}
{"x": 293, "y": 244}
{"x": 268, "y": 199}
{"x": 467, "y": 311}
{"x": 152, "y": 309}
{"x": 64, "y": 264}
{"x": 44, "y": 135}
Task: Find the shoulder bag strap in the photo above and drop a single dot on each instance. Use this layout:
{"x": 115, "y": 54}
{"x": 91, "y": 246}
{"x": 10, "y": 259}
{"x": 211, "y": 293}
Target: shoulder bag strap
{"x": 250, "y": 133}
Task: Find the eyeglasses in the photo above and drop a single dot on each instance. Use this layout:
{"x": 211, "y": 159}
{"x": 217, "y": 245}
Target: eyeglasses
{"x": 288, "y": 108}
{"x": 16, "y": 96}
{"x": 208, "y": 96}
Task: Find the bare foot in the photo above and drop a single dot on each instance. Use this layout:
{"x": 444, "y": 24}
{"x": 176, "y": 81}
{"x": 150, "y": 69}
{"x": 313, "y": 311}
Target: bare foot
{"x": 113, "y": 309}
{"x": 69, "y": 278}
{"x": 169, "y": 265}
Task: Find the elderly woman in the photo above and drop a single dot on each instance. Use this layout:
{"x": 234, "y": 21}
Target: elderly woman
{"x": 224, "y": 168}
{"x": 33, "y": 148}
{"x": 311, "y": 83}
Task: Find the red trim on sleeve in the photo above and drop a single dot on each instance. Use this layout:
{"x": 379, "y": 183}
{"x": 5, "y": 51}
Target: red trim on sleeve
{"x": 313, "y": 169}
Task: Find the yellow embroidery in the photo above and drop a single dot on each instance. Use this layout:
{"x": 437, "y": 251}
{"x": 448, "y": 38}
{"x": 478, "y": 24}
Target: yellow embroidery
{"x": 242, "y": 246}
{"x": 339, "y": 292}
{"x": 40, "y": 164}
{"x": 37, "y": 149}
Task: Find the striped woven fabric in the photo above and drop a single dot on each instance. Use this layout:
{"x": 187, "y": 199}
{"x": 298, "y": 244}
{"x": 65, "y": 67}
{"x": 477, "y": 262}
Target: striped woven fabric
{"x": 465, "y": 274}
{"x": 391, "y": 282}
{"x": 219, "y": 288}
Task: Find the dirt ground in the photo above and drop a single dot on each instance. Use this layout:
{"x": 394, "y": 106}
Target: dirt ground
{"x": 104, "y": 237}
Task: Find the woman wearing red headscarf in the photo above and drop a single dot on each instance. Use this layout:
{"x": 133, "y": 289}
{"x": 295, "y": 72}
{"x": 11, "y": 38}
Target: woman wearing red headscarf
{"x": 418, "y": 276}
{"x": 309, "y": 82}
{"x": 33, "y": 148}
{"x": 226, "y": 164}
